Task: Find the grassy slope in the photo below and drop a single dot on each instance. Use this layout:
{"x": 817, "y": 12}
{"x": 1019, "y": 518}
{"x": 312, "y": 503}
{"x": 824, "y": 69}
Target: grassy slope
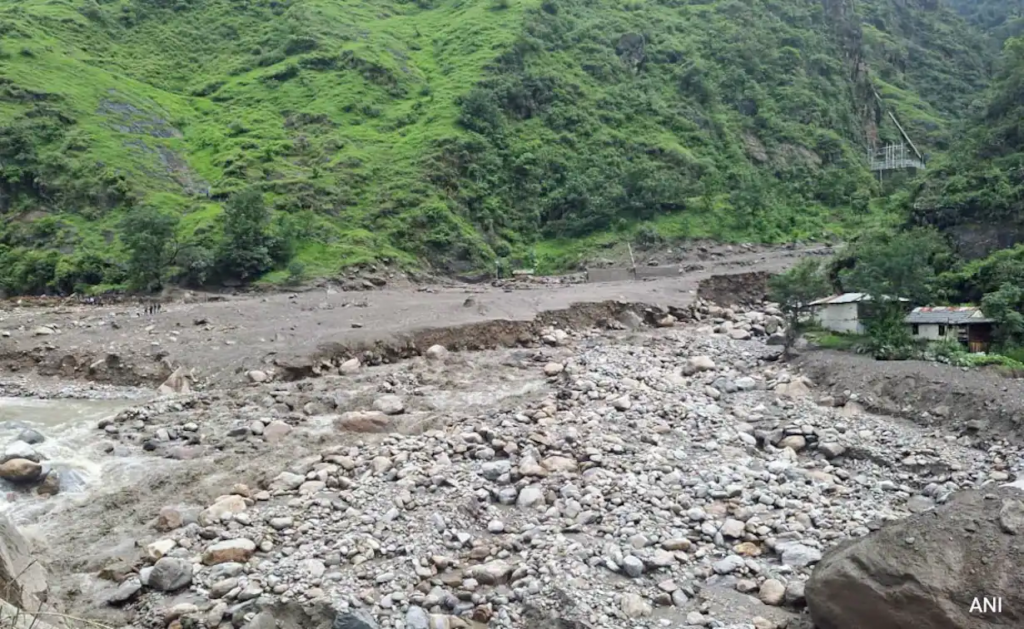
{"x": 374, "y": 86}
{"x": 345, "y": 112}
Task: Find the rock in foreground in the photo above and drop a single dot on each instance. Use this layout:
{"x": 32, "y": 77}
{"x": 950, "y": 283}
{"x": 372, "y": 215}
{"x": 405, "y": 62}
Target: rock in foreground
{"x": 927, "y": 571}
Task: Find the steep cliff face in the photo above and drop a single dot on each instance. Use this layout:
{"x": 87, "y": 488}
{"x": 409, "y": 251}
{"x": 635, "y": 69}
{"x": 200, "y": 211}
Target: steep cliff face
{"x": 849, "y": 33}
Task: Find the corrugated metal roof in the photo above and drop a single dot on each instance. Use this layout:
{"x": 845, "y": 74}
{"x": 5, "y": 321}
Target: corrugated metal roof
{"x": 846, "y": 298}
{"x": 946, "y": 315}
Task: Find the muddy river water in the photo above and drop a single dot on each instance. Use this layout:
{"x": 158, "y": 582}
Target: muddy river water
{"x": 70, "y": 447}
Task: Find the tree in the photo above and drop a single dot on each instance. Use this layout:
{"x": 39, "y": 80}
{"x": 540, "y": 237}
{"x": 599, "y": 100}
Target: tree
{"x": 794, "y": 290}
{"x": 897, "y": 264}
{"x": 245, "y": 250}
{"x": 1004, "y": 306}
{"x": 149, "y": 236}
{"x": 890, "y": 266}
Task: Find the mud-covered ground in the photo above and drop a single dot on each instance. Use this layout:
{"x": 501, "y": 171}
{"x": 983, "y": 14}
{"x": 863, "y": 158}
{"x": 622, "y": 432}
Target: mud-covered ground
{"x": 672, "y": 476}
{"x": 645, "y": 470}
{"x": 221, "y": 340}
{"x": 964, "y": 401}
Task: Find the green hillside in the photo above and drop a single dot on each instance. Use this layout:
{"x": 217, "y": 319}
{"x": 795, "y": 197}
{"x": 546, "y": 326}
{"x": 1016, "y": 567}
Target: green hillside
{"x": 447, "y": 132}
{"x": 976, "y": 192}
{"x": 1002, "y": 19}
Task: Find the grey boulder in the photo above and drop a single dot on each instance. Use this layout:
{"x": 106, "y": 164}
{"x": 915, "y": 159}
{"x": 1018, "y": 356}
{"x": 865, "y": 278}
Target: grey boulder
{"x": 933, "y": 570}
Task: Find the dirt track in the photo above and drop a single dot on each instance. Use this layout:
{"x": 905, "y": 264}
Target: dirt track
{"x": 223, "y": 339}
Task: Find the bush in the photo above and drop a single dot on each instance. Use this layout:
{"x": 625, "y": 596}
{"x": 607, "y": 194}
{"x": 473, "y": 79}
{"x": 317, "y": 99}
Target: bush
{"x": 888, "y": 336}
{"x": 296, "y": 272}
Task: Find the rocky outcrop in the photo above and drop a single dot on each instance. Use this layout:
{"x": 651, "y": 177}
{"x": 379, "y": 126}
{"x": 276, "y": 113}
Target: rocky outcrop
{"x": 22, "y": 577}
{"x": 934, "y": 570}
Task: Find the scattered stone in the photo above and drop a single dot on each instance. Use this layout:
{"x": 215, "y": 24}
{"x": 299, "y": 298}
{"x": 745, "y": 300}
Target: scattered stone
{"x": 276, "y": 431}
{"x": 920, "y": 504}
{"x": 20, "y": 450}
{"x": 1011, "y": 517}
{"x": 31, "y": 437}
{"x": 258, "y": 376}
{"x": 689, "y": 478}
{"x": 233, "y": 550}
{"x": 831, "y": 449}
{"x": 632, "y": 566}
{"x": 179, "y": 382}
{"x": 436, "y": 352}
{"x": 357, "y": 619}
{"x": 169, "y": 519}
{"x": 50, "y": 485}
{"x": 21, "y": 471}
{"x": 701, "y": 363}
{"x": 530, "y": 496}
{"x": 389, "y": 405}
{"x": 125, "y": 592}
{"x": 635, "y": 606}
{"x": 553, "y": 369}
{"x": 622, "y": 403}
{"x": 772, "y": 592}
{"x": 363, "y": 421}
{"x": 798, "y": 555}
{"x": 170, "y": 574}
{"x": 795, "y": 442}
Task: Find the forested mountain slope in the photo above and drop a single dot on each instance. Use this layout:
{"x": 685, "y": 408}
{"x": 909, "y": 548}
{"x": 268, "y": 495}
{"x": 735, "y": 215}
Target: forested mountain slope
{"x": 1002, "y": 19}
{"x": 976, "y": 192}
{"x": 450, "y": 131}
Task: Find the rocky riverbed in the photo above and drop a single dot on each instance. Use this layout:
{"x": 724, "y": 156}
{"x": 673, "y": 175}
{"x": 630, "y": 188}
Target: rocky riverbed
{"x": 676, "y": 476}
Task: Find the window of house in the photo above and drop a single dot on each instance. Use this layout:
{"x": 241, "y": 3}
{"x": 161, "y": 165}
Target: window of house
{"x": 916, "y": 329}
{"x": 942, "y": 330}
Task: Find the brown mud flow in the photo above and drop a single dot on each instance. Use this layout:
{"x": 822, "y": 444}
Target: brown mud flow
{"x": 224, "y": 336}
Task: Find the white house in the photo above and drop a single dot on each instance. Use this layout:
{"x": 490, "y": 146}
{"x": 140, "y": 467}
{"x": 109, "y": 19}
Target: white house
{"x": 840, "y": 313}
{"x": 844, "y": 313}
{"x": 964, "y": 324}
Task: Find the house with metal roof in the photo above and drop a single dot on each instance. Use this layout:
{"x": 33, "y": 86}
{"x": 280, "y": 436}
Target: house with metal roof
{"x": 846, "y": 313}
{"x": 967, "y": 325}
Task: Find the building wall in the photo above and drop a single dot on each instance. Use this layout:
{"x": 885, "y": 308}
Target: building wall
{"x": 840, "y": 318}
{"x": 930, "y": 332}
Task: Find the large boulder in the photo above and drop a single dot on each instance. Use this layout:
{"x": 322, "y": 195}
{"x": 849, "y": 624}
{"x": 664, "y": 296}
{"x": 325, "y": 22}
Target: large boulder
{"x": 179, "y": 382}
{"x": 21, "y": 471}
{"x": 22, "y": 577}
{"x": 941, "y": 569}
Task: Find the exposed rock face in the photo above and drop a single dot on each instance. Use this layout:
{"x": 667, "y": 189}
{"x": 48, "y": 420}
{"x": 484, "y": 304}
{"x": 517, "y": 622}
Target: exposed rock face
{"x": 926, "y": 571}
{"x": 22, "y": 578}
